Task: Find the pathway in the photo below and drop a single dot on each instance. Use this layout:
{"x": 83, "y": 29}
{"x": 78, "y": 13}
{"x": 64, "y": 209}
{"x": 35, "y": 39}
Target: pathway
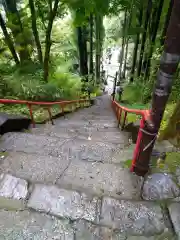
{"x": 68, "y": 182}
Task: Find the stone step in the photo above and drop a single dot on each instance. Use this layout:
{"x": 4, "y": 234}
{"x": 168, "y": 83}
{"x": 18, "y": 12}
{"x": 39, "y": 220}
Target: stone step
{"x": 95, "y": 178}
{"x": 75, "y": 149}
{"x": 93, "y": 217}
{"x": 88, "y": 133}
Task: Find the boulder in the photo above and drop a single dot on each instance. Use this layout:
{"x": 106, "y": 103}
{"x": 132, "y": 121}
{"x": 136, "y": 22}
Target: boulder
{"x": 13, "y": 123}
{"x": 160, "y": 186}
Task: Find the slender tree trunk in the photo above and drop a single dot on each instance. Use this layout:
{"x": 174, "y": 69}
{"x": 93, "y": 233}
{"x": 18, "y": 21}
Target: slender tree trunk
{"x": 140, "y": 18}
{"x": 153, "y": 39}
{"x": 123, "y": 45}
{"x": 85, "y": 52}
{"x": 80, "y": 48}
{"x": 35, "y": 31}
{"x": 168, "y": 66}
{"x": 17, "y": 29}
{"x": 52, "y": 15}
{"x": 98, "y": 48}
{"x": 91, "y": 70}
{"x": 125, "y": 60}
{"x": 166, "y": 22}
{"x": 143, "y": 42}
{"x": 8, "y": 40}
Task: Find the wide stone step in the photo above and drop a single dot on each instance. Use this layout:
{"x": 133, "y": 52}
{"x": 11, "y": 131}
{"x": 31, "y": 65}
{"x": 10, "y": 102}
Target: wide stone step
{"x": 93, "y": 217}
{"x": 86, "y": 133}
{"x": 45, "y": 145}
{"x": 95, "y": 178}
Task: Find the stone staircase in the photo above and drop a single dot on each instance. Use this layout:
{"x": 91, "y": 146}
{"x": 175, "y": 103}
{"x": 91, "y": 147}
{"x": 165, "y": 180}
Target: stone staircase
{"x": 68, "y": 182}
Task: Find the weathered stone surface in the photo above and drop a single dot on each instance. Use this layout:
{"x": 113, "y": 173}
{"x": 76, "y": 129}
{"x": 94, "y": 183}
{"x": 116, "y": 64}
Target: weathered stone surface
{"x": 34, "y": 167}
{"x": 123, "y": 155}
{"x": 31, "y": 143}
{"x": 13, "y": 192}
{"x": 89, "y": 150}
{"x": 134, "y": 218}
{"x": 63, "y": 203}
{"x": 178, "y": 175}
{"x": 99, "y": 178}
{"x": 87, "y": 231}
{"x": 164, "y": 146}
{"x": 159, "y": 186}
{"x": 32, "y": 226}
{"x": 174, "y": 211}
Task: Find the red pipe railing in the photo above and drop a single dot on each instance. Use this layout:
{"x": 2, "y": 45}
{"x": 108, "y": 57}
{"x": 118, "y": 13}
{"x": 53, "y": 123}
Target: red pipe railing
{"x": 145, "y": 116}
{"x": 62, "y": 105}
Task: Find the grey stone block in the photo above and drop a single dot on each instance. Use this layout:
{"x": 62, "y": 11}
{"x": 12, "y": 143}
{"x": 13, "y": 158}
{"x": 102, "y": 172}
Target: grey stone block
{"x": 160, "y": 186}
{"x": 63, "y": 203}
{"x": 102, "y": 179}
{"x": 134, "y": 218}
{"x": 33, "y": 226}
{"x": 123, "y": 155}
{"x": 31, "y": 143}
{"x": 34, "y": 167}
{"x": 87, "y": 231}
{"x": 174, "y": 211}
{"x": 89, "y": 150}
{"x": 13, "y": 192}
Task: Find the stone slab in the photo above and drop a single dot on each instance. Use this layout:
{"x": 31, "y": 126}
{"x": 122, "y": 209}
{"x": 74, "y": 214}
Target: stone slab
{"x": 133, "y": 218}
{"x": 13, "y": 192}
{"x": 64, "y": 203}
{"x": 34, "y": 167}
{"x": 174, "y": 211}
{"x": 25, "y": 225}
{"x": 31, "y": 143}
{"x": 160, "y": 186}
{"x": 90, "y": 150}
{"x": 87, "y": 231}
{"x": 102, "y": 179}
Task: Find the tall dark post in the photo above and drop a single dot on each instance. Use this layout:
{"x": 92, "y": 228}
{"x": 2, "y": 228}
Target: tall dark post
{"x": 168, "y": 66}
{"x": 114, "y": 87}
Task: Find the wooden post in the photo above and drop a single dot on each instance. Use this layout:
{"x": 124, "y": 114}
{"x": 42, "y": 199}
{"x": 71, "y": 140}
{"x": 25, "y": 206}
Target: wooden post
{"x": 168, "y": 66}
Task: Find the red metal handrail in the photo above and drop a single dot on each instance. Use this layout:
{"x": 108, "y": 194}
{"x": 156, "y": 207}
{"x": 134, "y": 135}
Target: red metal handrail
{"x": 145, "y": 116}
{"x": 29, "y": 104}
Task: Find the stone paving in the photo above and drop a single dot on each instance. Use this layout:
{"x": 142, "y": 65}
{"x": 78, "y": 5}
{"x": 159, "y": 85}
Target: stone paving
{"x": 68, "y": 182}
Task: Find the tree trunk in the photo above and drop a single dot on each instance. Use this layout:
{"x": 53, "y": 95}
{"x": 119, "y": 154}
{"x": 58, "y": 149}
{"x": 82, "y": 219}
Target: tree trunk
{"x": 52, "y": 15}
{"x": 122, "y": 48}
{"x": 140, "y": 18}
{"x": 91, "y": 67}
{"x": 98, "y": 48}
{"x": 168, "y": 66}
{"x": 35, "y": 31}
{"x": 125, "y": 60}
{"x": 11, "y": 7}
{"x": 143, "y": 42}
{"x": 166, "y": 22}
{"x": 8, "y": 40}
{"x": 85, "y": 62}
{"x": 153, "y": 39}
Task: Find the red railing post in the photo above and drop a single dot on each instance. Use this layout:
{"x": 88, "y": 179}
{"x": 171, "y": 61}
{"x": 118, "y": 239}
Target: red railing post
{"x": 119, "y": 117}
{"x": 50, "y": 115}
{"x": 124, "y": 121}
{"x": 31, "y": 114}
{"x": 136, "y": 150}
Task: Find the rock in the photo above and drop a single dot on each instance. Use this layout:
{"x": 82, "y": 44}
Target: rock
{"x": 64, "y": 203}
{"x": 13, "y": 192}
{"x": 33, "y": 226}
{"x": 160, "y": 186}
{"x": 12, "y": 123}
{"x": 164, "y": 146}
{"x": 133, "y": 218}
{"x": 87, "y": 231}
{"x": 174, "y": 211}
